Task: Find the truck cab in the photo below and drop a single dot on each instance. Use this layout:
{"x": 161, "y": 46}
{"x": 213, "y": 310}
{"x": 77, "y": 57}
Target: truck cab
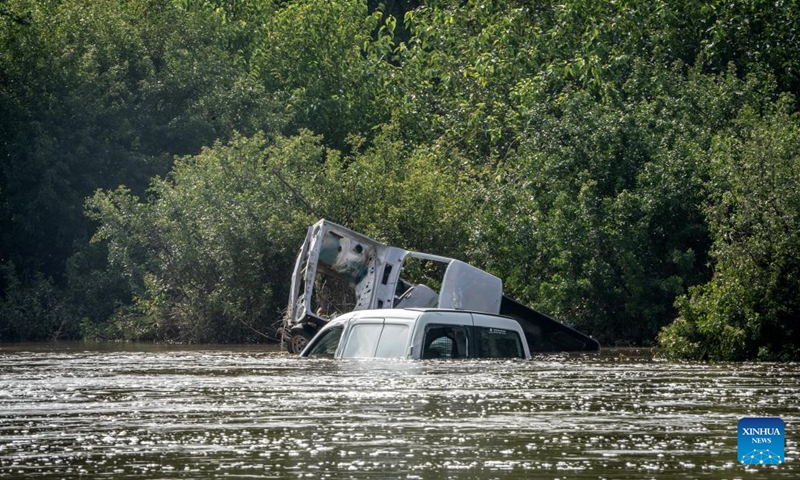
{"x": 416, "y": 333}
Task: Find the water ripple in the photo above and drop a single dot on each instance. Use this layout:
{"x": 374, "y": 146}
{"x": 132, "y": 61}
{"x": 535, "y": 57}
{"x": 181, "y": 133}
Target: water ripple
{"x": 179, "y": 412}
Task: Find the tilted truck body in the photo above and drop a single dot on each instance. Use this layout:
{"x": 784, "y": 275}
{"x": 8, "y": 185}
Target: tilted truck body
{"x": 338, "y": 271}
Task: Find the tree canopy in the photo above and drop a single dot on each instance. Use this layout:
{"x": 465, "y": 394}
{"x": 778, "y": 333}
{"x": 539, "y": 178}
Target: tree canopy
{"x": 628, "y": 167}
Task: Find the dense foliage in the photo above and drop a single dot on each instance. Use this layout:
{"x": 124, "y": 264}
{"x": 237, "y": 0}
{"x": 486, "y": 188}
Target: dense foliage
{"x": 619, "y": 164}
{"x": 750, "y": 307}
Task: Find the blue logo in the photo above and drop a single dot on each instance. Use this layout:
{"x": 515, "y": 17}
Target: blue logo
{"x": 761, "y": 441}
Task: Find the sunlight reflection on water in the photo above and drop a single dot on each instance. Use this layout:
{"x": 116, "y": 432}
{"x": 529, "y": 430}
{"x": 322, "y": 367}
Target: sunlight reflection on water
{"x": 68, "y": 410}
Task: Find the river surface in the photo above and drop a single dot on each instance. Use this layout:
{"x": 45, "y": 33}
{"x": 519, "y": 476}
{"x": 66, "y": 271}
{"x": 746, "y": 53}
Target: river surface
{"x": 75, "y": 410}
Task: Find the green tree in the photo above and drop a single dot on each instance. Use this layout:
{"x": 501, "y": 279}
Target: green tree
{"x": 572, "y": 148}
{"x": 210, "y": 253}
{"x": 329, "y": 59}
{"x": 597, "y": 217}
{"x": 98, "y": 94}
{"x": 750, "y": 307}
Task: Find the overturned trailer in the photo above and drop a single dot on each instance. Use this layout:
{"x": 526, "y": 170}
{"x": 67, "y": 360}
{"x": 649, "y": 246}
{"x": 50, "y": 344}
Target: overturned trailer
{"x": 339, "y": 270}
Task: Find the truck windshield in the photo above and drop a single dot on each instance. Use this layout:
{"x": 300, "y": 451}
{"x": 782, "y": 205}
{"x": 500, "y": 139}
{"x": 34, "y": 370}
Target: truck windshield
{"x": 327, "y": 345}
{"x": 373, "y": 340}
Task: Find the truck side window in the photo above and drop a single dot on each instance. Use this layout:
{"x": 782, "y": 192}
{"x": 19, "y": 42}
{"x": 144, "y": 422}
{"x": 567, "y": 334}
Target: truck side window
{"x": 445, "y": 341}
{"x": 327, "y": 345}
{"x": 393, "y": 342}
{"x": 362, "y": 340}
{"x": 497, "y": 343}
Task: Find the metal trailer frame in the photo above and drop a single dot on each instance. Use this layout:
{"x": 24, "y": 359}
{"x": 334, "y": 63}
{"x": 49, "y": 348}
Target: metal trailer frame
{"x": 372, "y": 269}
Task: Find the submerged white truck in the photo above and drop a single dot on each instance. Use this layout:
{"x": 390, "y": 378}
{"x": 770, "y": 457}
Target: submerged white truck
{"x": 419, "y": 333}
{"x": 338, "y": 271}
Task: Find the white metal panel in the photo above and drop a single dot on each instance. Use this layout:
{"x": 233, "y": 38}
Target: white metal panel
{"x": 465, "y": 287}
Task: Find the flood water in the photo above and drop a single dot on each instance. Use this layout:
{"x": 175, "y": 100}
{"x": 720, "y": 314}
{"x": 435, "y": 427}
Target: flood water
{"x": 71, "y": 410}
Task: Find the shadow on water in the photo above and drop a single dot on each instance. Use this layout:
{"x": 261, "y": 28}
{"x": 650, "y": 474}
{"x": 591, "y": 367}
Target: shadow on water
{"x": 117, "y": 410}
